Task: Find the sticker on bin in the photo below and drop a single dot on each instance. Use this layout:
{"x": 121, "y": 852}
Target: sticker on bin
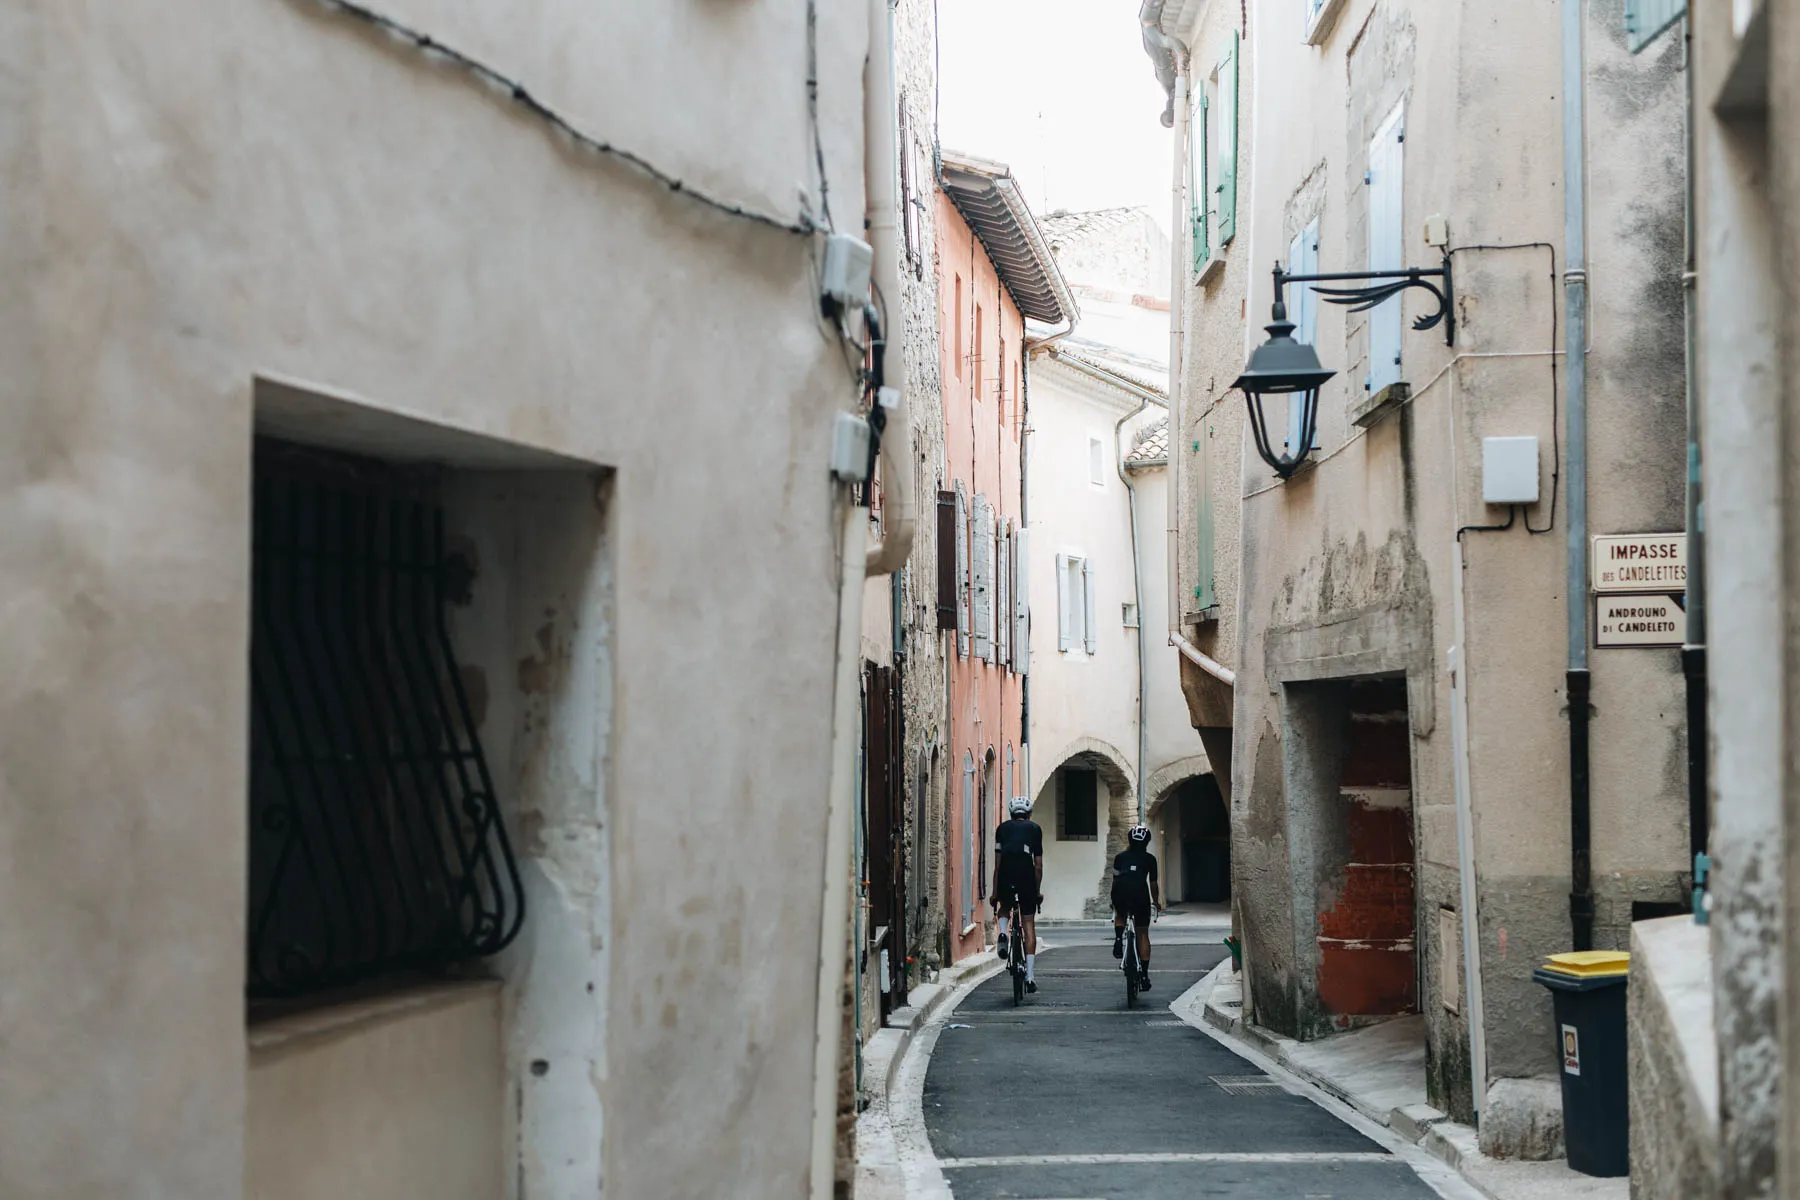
{"x": 1571, "y": 1051}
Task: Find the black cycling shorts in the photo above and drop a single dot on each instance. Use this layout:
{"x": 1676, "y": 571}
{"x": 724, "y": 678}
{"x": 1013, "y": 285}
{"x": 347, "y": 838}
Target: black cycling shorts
{"x": 1135, "y": 905}
{"x": 1020, "y": 881}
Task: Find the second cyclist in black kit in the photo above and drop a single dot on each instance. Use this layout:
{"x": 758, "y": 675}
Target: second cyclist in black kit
{"x": 1019, "y": 873}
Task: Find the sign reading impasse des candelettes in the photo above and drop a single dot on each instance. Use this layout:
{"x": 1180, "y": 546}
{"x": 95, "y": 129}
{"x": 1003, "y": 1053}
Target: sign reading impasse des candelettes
{"x": 1639, "y": 562}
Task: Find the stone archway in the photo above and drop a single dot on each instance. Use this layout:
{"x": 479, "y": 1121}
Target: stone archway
{"x": 1164, "y": 780}
{"x": 1114, "y": 775}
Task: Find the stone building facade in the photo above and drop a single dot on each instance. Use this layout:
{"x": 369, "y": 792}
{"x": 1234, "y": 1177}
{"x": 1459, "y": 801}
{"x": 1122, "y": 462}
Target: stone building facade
{"x": 1382, "y": 605}
{"x": 317, "y": 334}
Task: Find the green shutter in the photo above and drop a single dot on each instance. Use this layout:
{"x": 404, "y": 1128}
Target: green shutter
{"x": 1228, "y": 141}
{"x": 1197, "y": 193}
{"x": 1645, "y": 19}
{"x": 1206, "y": 591}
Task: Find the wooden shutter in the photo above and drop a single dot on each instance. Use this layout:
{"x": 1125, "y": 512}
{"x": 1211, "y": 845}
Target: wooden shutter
{"x": 1199, "y": 197}
{"x": 962, "y": 570}
{"x": 971, "y": 837}
{"x": 1065, "y": 605}
{"x": 946, "y": 560}
{"x": 1021, "y": 608}
{"x": 1228, "y": 141}
{"x": 982, "y": 577}
{"x": 1090, "y": 615}
{"x": 1002, "y": 594}
{"x": 1387, "y": 247}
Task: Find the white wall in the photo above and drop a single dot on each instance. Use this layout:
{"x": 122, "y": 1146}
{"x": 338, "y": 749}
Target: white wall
{"x": 196, "y": 195}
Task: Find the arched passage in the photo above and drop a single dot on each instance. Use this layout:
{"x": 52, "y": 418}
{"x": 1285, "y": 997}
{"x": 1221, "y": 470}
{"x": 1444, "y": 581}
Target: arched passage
{"x": 1085, "y": 807}
{"x": 1192, "y": 826}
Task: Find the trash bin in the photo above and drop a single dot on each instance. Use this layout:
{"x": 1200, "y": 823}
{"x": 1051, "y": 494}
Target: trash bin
{"x": 1588, "y": 990}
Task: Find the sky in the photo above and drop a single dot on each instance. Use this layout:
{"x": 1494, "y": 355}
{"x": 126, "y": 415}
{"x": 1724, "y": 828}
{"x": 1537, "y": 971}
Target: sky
{"x": 1061, "y": 91}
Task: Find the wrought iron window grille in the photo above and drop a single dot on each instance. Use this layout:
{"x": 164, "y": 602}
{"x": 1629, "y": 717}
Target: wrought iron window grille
{"x": 376, "y": 839}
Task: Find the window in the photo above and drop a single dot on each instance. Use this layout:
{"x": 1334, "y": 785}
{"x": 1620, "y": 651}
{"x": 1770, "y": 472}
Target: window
{"x": 1078, "y": 806}
{"x": 981, "y": 582}
{"x": 1021, "y": 644}
{"x": 946, "y": 560}
{"x": 1199, "y": 195}
{"x": 1387, "y": 246}
{"x": 1078, "y": 623}
{"x": 1097, "y": 462}
{"x": 1225, "y": 141}
{"x": 962, "y": 570}
{"x": 363, "y": 746}
{"x": 956, "y": 320}
{"x": 1321, "y": 15}
{"x": 1303, "y": 310}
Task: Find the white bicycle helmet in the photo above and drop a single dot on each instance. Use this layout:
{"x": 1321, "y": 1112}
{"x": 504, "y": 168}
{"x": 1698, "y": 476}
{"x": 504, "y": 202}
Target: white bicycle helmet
{"x": 1139, "y": 835}
{"x": 1019, "y": 806}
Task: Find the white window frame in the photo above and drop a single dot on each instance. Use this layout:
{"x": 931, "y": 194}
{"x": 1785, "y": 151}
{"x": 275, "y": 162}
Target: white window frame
{"x": 1318, "y": 18}
{"x": 1096, "y": 447}
{"x": 1078, "y": 627}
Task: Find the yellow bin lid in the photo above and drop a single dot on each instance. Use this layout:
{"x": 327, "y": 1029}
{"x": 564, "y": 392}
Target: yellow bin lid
{"x": 1590, "y": 964}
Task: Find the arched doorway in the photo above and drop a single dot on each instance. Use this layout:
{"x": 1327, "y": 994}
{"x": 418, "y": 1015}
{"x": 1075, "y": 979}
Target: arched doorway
{"x": 1085, "y": 806}
{"x": 1193, "y": 840}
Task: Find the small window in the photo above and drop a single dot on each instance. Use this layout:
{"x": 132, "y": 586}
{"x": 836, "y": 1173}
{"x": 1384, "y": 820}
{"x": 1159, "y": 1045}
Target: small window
{"x": 1130, "y": 614}
{"x": 1097, "y": 462}
{"x": 1078, "y": 807}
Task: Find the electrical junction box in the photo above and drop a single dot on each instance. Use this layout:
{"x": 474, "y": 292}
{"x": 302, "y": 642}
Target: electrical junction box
{"x": 851, "y": 438}
{"x": 1509, "y": 470}
{"x": 845, "y": 277}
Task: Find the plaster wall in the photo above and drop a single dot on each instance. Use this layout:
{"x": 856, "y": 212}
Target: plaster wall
{"x": 401, "y": 1097}
{"x": 984, "y": 417}
{"x": 1741, "y": 298}
{"x": 1347, "y": 568}
{"x": 194, "y": 196}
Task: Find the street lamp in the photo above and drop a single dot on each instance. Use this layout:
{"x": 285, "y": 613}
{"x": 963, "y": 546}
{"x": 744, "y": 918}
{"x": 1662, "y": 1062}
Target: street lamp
{"x": 1282, "y": 366}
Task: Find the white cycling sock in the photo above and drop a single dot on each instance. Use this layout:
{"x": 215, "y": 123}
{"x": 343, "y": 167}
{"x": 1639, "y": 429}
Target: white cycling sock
{"x": 1031, "y": 967}
{"x": 1003, "y": 928}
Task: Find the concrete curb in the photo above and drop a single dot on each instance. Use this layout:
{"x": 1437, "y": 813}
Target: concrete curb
{"x": 887, "y": 1049}
{"x": 1214, "y": 1003}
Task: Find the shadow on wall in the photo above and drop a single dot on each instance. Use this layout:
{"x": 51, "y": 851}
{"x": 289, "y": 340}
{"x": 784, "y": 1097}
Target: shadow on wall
{"x": 1192, "y": 841}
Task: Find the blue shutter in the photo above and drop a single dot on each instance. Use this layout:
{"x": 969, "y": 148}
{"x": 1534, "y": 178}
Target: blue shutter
{"x": 981, "y": 584}
{"x": 1228, "y": 141}
{"x": 1303, "y": 310}
{"x": 1206, "y": 593}
{"x": 1090, "y": 617}
{"x": 962, "y": 570}
{"x": 1645, "y": 19}
{"x": 1387, "y": 249}
{"x": 1199, "y": 198}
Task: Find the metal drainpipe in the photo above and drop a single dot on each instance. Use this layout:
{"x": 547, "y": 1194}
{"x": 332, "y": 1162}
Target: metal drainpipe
{"x": 1581, "y": 892}
{"x": 1137, "y": 589}
{"x": 1693, "y": 655}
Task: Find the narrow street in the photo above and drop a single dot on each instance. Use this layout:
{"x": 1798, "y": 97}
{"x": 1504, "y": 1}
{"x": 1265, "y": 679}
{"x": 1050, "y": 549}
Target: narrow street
{"x": 1073, "y": 1095}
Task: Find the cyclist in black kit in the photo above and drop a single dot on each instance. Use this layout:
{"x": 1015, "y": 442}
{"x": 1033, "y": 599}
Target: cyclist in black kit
{"x": 1019, "y": 872}
{"x": 1134, "y": 889}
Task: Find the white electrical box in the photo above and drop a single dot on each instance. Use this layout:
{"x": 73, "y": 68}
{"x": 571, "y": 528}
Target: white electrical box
{"x": 1509, "y": 470}
{"x": 845, "y": 281}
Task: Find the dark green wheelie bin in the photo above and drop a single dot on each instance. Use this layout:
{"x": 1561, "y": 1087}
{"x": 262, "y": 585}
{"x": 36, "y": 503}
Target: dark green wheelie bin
{"x": 1588, "y": 991}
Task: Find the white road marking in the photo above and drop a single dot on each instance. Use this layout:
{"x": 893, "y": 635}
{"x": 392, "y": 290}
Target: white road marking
{"x": 1119, "y": 1160}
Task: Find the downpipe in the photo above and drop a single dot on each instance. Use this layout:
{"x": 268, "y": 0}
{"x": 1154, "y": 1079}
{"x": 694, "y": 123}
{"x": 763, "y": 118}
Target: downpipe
{"x": 1137, "y": 592}
{"x": 1575, "y": 300}
{"x": 1693, "y": 654}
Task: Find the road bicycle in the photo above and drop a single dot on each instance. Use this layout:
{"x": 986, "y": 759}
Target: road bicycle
{"x": 1133, "y": 976}
{"x": 1015, "y": 945}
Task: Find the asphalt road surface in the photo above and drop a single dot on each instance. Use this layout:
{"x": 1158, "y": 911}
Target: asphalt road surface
{"x": 1072, "y": 1096}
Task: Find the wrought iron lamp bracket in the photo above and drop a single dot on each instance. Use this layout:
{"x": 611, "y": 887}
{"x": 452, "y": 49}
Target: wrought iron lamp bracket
{"x": 1383, "y": 285}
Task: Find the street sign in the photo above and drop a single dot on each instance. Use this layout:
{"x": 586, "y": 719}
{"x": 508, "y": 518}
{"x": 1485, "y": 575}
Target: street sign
{"x": 1638, "y": 562}
{"x": 1640, "y": 620}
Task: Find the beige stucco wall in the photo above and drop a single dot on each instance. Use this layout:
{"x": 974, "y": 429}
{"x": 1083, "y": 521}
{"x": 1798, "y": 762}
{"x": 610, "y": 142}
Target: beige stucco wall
{"x": 195, "y": 194}
{"x": 401, "y": 1097}
{"x": 1347, "y": 568}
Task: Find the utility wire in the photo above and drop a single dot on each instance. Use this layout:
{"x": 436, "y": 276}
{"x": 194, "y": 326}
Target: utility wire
{"x": 804, "y": 225}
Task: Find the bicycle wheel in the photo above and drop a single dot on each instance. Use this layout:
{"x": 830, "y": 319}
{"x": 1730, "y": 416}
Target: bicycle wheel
{"x": 1131, "y": 968}
{"x": 1018, "y": 966}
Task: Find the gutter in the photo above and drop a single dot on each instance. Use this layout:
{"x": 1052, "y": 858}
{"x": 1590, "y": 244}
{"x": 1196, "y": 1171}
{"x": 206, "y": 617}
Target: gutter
{"x": 1137, "y": 591}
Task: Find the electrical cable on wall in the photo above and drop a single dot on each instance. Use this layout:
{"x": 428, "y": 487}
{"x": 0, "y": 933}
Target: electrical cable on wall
{"x": 804, "y": 225}
{"x": 1555, "y": 399}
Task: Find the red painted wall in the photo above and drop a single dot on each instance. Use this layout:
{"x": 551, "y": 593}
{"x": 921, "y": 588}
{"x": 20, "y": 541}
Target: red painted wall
{"x": 982, "y": 426}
